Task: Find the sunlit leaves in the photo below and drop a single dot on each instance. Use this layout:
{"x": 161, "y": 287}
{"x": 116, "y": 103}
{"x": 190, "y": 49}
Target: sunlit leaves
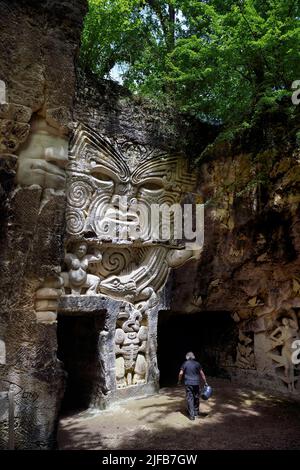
{"x": 218, "y": 59}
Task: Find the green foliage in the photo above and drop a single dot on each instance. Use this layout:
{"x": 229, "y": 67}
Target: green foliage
{"x": 113, "y": 31}
{"x": 221, "y": 60}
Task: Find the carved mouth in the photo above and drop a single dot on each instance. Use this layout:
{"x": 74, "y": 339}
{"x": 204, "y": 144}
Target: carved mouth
{"x": 113, "y": 287}
{"x": 122, "y": 218}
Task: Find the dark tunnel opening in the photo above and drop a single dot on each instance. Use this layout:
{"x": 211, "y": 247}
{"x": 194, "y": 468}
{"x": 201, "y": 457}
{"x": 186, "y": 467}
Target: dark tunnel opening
{"x": 78, "y": 344}
{"x": 207, "y": 334}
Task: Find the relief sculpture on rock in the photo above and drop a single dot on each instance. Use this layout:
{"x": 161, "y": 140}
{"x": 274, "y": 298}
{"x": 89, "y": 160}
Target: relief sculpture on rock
{"x": 245, "y": 358}
{"x": 77, "y": 279}
{"x": 282, "y": 338}
{"x": 131, "y": 348}
{"x": 43, "y": 157}
{"x": 111, "y": 248}
{"x": 113, "y": 185}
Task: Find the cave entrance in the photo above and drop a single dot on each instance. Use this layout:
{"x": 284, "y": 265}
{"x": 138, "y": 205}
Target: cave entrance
{"x": 78, "y": 349}
{"x": 210, "y": 335}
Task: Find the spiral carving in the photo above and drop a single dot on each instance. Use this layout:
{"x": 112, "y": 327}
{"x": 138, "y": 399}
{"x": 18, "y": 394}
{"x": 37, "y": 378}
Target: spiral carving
{"x": 97, "y": 212}
{"x": 75, "y": 221}
{"x": 113, "y": 262}
{"x": 79, "y": 194}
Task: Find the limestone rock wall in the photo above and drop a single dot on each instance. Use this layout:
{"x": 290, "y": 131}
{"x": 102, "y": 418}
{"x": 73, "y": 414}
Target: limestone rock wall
{"x": 39, "y": 41}
{"x": 250, "y": 263}
{"x": 110, "y": 110}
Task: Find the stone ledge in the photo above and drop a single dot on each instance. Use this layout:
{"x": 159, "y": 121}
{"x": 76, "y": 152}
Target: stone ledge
{"x": 76, "y": 304}
{"x": 128, "y": 393}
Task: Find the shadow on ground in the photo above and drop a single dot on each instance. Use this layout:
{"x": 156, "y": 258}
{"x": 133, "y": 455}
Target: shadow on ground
{"x": 234, "y": 418}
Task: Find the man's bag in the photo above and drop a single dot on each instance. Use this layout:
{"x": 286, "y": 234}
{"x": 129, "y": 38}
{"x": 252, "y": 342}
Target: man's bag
{"x": 206, "y": 392}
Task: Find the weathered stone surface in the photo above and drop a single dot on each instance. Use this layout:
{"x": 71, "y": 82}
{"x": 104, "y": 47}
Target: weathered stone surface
{"x": 38, "y": 43}
{"x": 111, "y": 111}
{"x": 4, "y": 420}
{"x": 13, "y": 133}
{"x": 43, "y": 157}
{"x": 15, "y": 112}
{"x": 250, "y": 263}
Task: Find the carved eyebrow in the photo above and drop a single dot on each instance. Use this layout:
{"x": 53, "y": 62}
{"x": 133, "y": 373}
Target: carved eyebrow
{"x": 154, "y": 168}
{"x": 123, "y": 315}
{"x": 97, "y": 147}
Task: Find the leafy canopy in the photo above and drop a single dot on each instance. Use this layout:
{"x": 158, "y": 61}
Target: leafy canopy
{"x": 221, "y": 60}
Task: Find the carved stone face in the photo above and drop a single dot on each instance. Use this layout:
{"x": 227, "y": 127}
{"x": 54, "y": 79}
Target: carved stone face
{"x": 130, "y": 320}
{"x": 43, "y": 157}
{"x": 115, "y": 184}
{"x": 112, "y": 187}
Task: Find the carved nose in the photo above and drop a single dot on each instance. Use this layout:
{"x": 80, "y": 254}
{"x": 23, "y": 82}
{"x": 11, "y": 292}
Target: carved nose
{"x": 119, "y": 202}
{"x": 125, "y": 189}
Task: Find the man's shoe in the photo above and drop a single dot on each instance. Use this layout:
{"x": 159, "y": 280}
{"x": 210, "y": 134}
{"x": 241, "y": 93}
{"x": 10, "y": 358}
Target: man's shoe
{"x": 192, "y": 418}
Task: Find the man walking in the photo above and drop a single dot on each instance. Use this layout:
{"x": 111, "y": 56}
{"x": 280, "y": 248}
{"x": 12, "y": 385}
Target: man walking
{"x": 191, "y": 370}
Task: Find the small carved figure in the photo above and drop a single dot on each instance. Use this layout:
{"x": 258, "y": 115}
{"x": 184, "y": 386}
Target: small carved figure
{"x": 245, "y": 356}
{"x": 131, "y": 343}
{"x": 283, "y": 336}
{"x": 77, "y": 277}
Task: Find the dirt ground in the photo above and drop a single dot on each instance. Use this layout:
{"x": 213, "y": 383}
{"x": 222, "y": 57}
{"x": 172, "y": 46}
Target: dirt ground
{"x": 234, "y": 418}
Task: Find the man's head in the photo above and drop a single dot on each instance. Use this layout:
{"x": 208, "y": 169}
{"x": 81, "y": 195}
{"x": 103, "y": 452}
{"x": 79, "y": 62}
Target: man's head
{"x": 190, "y": 355}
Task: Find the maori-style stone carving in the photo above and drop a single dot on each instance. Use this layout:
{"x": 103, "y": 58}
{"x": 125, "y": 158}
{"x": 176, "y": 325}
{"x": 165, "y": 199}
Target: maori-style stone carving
{"x": 245, "y": 355}
{"x": 115, "y": 185}
{"x": 131, "y": 348}
{"x": 100, "y": 175}
{"x": 43, "y": 157}
{"x": 77, "y": 278}
{"x": 281, "y": 351}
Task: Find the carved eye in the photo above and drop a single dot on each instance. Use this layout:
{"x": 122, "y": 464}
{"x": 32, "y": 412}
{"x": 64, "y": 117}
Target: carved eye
{"x": 116, "y": 282}
{"x": 152, "y": 185}
{"x": 138, "y": 317}
{"x": 101, "y": 176}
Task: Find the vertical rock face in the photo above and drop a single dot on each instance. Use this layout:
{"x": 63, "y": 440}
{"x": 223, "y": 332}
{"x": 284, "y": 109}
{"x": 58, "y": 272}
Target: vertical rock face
{"x": 250, "y": 263}
{"x": 39, "y": 41}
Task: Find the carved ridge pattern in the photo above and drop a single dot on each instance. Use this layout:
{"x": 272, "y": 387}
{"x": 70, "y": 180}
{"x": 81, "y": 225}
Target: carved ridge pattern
{"x": 100, "y": 173}
{"x": 75, "y": 221}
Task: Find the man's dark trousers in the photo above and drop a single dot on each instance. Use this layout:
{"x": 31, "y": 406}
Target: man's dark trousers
{"x": 192, "y": 398}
